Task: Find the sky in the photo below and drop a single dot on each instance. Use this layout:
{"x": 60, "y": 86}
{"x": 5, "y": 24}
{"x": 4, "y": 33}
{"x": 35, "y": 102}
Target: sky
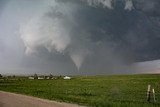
{"x": 79, "y": 37}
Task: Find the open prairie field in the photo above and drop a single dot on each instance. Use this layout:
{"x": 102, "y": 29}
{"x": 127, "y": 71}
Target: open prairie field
{"x": 96, "y": 91}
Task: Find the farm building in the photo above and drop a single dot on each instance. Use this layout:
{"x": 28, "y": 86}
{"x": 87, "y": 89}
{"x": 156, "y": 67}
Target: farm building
{"x": 31, "y": 78}
{"x": 40, "y": 78}
{"x": 67, "y": 78}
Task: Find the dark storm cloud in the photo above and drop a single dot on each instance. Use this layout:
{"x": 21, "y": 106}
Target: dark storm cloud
{"x": 2, "y": 5}
{"x": 106, "y": 36}
{"x": 96, "y": 36}
{"x": 136, "y": 31}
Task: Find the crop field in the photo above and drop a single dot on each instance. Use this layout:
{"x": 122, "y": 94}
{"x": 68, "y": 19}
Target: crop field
{"x": 94, "y": 91}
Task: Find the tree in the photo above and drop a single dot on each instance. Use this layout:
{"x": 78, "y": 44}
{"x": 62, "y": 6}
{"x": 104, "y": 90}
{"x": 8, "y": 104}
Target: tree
{"x": 35, "y": 76}
{"x": 1, "y": 76}
{"x": 50, "y": 76}
{"x": 13, "y": 76}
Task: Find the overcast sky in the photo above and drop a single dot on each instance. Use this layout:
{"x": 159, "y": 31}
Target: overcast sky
{"x": 79, "y": 37}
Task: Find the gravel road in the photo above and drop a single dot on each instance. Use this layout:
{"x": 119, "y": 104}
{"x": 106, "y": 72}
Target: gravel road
{"x": 16, "y": 100}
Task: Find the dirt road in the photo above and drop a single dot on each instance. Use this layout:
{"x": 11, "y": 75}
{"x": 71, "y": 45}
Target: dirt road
{"x": 17, "y": 100}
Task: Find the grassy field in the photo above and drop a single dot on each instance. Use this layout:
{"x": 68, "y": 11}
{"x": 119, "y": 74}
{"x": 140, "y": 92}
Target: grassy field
{"x": 96, "y": 91}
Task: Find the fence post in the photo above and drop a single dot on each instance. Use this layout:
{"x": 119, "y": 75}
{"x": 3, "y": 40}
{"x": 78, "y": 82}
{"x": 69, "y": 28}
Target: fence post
{"x": 154, "y": 95}
{"x": 149, "y": 93}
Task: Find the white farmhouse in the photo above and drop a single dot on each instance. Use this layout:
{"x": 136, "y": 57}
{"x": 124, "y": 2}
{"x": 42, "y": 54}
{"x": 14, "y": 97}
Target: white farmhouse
{"x": 40, "y": 78}
{"x": 67, "y": 78}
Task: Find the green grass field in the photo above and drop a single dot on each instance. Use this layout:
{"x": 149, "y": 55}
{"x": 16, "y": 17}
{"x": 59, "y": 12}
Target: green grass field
{"x": 96, "y": 91}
